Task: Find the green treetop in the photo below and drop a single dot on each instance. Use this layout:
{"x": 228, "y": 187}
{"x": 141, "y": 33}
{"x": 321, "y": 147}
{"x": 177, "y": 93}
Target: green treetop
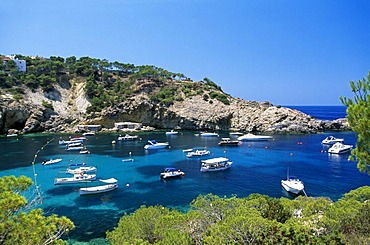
{"x": 358, "y": 115}
{"x": 20, "y": 224}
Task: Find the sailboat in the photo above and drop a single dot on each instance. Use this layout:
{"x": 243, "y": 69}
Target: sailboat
{"x": 292, "y": 184}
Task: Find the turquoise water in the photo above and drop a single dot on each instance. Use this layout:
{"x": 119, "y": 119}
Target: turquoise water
{"x": 258, "y": 167}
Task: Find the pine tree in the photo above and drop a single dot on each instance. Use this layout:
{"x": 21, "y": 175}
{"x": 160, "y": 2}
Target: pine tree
{"x": 358, "y": 115}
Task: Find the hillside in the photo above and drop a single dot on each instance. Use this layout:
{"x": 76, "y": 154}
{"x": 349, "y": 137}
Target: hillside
{"x": 56, "y": 94}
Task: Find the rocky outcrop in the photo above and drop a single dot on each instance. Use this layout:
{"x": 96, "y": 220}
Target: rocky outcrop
{"x": 69, "y": 103}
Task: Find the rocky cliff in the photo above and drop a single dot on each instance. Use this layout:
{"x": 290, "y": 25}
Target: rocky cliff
{"x": 67, "y": 108}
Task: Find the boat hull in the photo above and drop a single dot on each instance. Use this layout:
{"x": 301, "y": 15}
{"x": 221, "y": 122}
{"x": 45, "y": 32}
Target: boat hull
{"x": 207, "y": 169}
{"x": 75, "y": 179}
{"x": 156, "y": 146}
{"x": 294, "y": 188}
{"x": 254, "y": 138}
{"x": 97, "y": 189}
{"x": 171, "y": 175}
{"x": 52, "y": 161}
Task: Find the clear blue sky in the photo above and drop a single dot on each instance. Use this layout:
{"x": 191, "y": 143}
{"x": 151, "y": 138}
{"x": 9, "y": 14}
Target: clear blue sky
{"x": 286, "y": 52}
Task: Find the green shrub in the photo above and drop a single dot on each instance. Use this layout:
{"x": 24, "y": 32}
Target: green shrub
{"x": 47, "y": 104}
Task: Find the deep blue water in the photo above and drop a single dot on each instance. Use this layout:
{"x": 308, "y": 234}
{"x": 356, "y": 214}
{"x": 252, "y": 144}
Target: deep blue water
{"x": 323, "y": 112}
{"x": 258, "y": 168}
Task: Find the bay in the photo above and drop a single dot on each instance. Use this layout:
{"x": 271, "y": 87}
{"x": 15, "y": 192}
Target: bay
{"x": 323, "y": 112}
{"x": 258, "y": 167}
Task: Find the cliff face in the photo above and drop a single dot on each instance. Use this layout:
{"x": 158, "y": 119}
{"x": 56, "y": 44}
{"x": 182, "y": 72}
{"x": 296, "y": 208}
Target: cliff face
{"x": 69, "y": 104}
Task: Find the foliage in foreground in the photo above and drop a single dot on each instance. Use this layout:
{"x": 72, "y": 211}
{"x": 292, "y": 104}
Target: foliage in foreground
{"x": 358, "y": 115}
{"x": 257, "y": 219}
{"x": 20, "y": 224}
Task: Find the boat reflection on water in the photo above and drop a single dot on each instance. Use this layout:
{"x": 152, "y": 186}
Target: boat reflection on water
{"x": 337, "y": 158}
{"x": 290, "y": 195}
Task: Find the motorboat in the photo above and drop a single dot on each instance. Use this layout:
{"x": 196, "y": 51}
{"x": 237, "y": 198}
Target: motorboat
{"x": 188, "y": 150}
{"x": 339, "y": 148}
{"x": 74, "y": 148}
{"x": 77, "y": 178}
{"x": 235, "y": 134}
{"x": 127, "y": 137}
{"x": 215, "y": 164}
{"x": 171, "y": 173}
{"x": 292, "y": 184}
{"x": 253, "y": 137}
{"x": 228, "y": 142}
{"x": 82, "y": 169}
{"x": 198, "y": 153}
{"x": 67, "y": 142}
{"x": 331, "y": 140}
{"x": 78, "y": 138}
{"x": 84, "y": 151}
{"x": 11, "y": 135}
{"x": 154, "y": 145}
{"x": 172, "y": 132}
{"x": 75, "y": 144}
{"x": 51, "y": 161}
{"x": 91, "y": 133}
{"x": 111, "y": 184}
{"x": 209, "y": 134}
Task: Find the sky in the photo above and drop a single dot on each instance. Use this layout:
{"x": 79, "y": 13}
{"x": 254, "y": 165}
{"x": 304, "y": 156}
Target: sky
{"x": 286, "y": 52}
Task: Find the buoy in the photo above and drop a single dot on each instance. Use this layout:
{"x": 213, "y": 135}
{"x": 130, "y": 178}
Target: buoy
{"x": 127, "y": 185}
{"x": 291, "y": 154}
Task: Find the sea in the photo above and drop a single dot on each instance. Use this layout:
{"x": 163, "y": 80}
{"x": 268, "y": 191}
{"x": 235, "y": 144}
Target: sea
{"x": 258, "y": 167}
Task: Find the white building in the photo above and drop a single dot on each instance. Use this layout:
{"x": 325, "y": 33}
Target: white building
{"x": 21, "y": 64}
{"x": 127, "y": 126}
{"x": 87, "y": 128}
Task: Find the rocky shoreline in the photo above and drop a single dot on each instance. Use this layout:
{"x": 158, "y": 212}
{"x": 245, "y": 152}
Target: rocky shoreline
{"x": 194, "y": 113}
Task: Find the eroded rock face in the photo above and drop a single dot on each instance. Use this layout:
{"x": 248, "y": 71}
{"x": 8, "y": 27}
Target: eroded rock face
{"x": 14, "y": 118}
{"x": 193, "y": 113}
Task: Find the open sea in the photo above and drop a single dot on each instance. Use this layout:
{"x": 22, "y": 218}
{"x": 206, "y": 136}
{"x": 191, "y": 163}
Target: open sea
{"x": 258, "y": 167}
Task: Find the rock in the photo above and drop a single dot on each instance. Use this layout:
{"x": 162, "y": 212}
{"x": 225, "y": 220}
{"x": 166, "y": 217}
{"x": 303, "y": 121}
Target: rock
{"x": 69, "y": 104}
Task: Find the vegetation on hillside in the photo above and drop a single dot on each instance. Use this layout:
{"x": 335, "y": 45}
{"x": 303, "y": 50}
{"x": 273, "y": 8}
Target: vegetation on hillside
{"x": 358, "y": 115}
{"x": 107, "y": 83}
{"x": 20, "y": 223}
{"x": 256, "y": 219}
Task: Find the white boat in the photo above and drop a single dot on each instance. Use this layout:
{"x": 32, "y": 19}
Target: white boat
{"x": 84, "y": 151}
{"x": 207, "y": 134}
{"x": 331, "y": 140}
{"x": 82, "y": 169}
{"x": 171, "y": 173}
{"x": 51, "y": 161}
{"x": 11, "y": 135}
{"x": 91, "y": 133}
{"x": 292, "y": 184}
{"x": 67, "y": 142}
{"x": 75, "y": 144}
{"x": 111, "y": 184}
{"x": 75, "y": 148}
{"x": 188, "y": 150}
{"x": 198, "y": 153}
{"x": 78, "y": 138}
{"x": 235, "y": 134}
{"x": 228, "y": 142}
{"x": 252, "y": 137}
{"x": 153, "y": 145}
{"x": 215, "y": 164}
{"x": 339, "y": 148}
{"x": 172, "y": 132}
{"x": 77, "y": 178}
{"x": 127, "y": 137}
